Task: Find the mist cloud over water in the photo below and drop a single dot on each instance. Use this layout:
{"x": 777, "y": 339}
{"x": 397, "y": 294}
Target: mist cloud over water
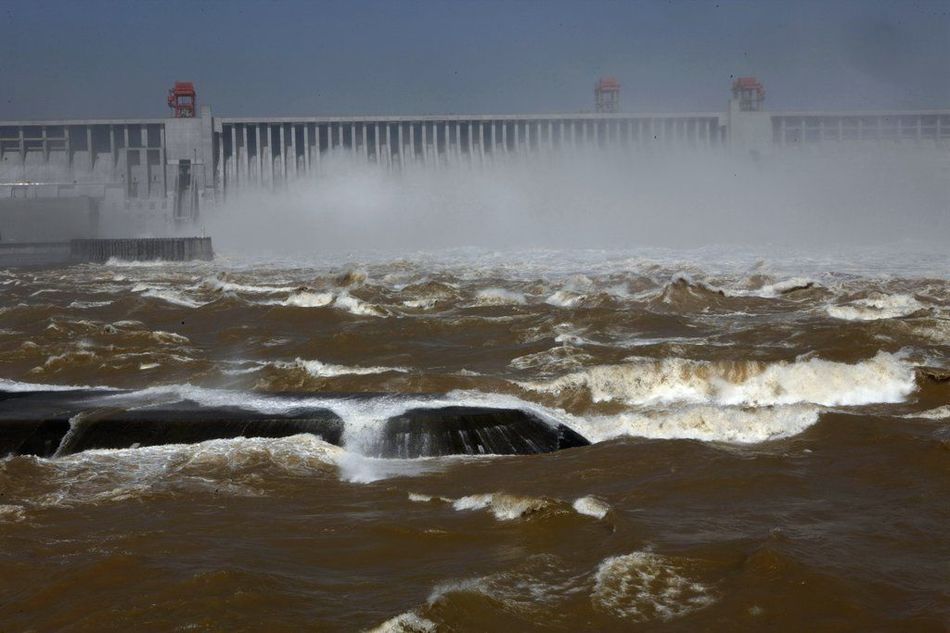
{"x": 601, "y": 200}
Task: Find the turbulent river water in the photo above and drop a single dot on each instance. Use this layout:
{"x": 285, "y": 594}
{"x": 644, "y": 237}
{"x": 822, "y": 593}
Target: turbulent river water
{"x": 770, "y": 445}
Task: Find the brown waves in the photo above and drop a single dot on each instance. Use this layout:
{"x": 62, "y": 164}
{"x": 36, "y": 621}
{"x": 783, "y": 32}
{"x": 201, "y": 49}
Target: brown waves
{"x": 834, "y": 523}
{"x": 811, "y": 538}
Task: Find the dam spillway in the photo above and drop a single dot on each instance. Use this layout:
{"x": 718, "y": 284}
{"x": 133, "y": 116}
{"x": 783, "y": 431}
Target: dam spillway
{"x": 131, "y": 171}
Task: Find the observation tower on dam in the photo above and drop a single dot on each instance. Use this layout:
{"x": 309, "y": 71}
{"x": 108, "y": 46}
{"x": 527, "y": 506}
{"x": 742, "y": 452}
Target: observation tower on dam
{"x": 66, "y": 178}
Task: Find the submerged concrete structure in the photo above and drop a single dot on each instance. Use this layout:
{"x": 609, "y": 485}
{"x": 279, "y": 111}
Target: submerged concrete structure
{"x": 120, "y": 174}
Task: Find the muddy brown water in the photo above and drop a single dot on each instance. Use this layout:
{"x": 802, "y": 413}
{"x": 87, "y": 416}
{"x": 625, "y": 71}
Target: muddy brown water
{"x": 771, "y": 447}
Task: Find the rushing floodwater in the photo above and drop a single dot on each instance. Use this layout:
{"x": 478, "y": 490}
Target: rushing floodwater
{"x": 770, "y": 445}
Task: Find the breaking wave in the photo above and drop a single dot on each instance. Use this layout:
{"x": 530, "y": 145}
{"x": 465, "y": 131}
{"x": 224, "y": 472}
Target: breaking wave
{"x": 305, "y": 299}
{"x": 168, "y": 296}
{"x": 704, "y": 423}
{"x": 356, "y": 306}
{"x": 405, "y": 623}
{"x": 591, "y": 506}
{"x": 784, "y": 288}
{"x": 498, "y": 297}
{"x": 318, "y": 369}
{"x": 938, "y": 413}
{"x": 508, "y": 507}
{"x": 683, "y": 293}
{"x": 503, "y": 506}
{"x": 876, "y": 307}
{"x": 883, "y": 378}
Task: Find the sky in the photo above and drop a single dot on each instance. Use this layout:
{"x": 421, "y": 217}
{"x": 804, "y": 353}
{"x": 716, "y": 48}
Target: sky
{"x": 73, "y": 59}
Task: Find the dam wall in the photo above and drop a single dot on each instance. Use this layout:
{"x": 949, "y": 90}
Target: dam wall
{"x": 175, "y": 249}
{"x": 77, "y": 251}
{"x": 137, "y": 171}
{"x": 56, "y": 218}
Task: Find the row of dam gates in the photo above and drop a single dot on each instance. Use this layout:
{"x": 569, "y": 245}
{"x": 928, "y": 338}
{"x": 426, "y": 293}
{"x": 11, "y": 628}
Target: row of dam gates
{"x": 173, "y": 167}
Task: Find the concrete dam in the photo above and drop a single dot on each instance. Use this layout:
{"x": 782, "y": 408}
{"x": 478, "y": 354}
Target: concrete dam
{"x": 66, "y": 179}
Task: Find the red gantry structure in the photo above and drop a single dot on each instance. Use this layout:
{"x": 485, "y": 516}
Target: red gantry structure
{"x": 182, "y": 100}
{"x": 607, "y": 95}
{"x": 749, "y": 92}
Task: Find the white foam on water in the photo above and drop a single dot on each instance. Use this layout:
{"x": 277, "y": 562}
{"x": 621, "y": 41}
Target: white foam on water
{"x": 12, "y": 513}
{"x": 591, "y": 506}
{"x": 568, "y": 338}
{"x": 560, "y": 358}
{"x": 161, "y": 336}
{"x": 938, "y": 413}
{"x": 407, "y": 622}
{"x": 365, "y": 417}
{"x": 228, "y": 286}
{"x": 305, "y": 299}
{"x": 360, "y": 469}
{"x": 128, "y": 263}
{"x": 536, "y": 587}
{"x": 170, "y": 296}
{"x": 885, "y": 378}
{"x": 17, "y": 386}
{"x": 777, "y": 289}
{"x": 876, "y": 307}
{"x": 420, "y": 498}
{"x": 85, "y": 305}
{"x": 235, "y": 466}
{"x": 704, "y": 423}
{"x": 780, "y": 288}
{"x": 565, "y": 299}
{"x": 351, "y": 304}
{"x": 421, "y": 304}
{"x": 504, "y": 506}
{"x": 643, "y": 587}
{"x": 129, "y": 324}
{"x": 325, "y": 370}
{"x": 937, "y": 330}
{"x": 498, "y": 297}
{"x": 241, "y": 371}
{"x": 508, "y": 507}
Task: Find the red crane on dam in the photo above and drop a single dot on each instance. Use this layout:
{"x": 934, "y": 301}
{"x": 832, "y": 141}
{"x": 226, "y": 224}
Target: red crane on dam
{"x": 182, "y": 100}
{"x": 607, "y": 95}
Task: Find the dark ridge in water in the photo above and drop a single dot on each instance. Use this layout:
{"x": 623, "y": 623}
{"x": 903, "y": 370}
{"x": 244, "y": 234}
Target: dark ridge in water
{"x": 35, "y": 422}
{"x": 189, "y": 423}
{"x": 473, "y": 431}
{"x": 51, "y": 423}
{"x": 32, "y": 437}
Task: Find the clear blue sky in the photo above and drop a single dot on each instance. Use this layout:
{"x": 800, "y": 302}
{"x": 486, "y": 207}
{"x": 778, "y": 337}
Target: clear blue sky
{"x": 89, "y": 58}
